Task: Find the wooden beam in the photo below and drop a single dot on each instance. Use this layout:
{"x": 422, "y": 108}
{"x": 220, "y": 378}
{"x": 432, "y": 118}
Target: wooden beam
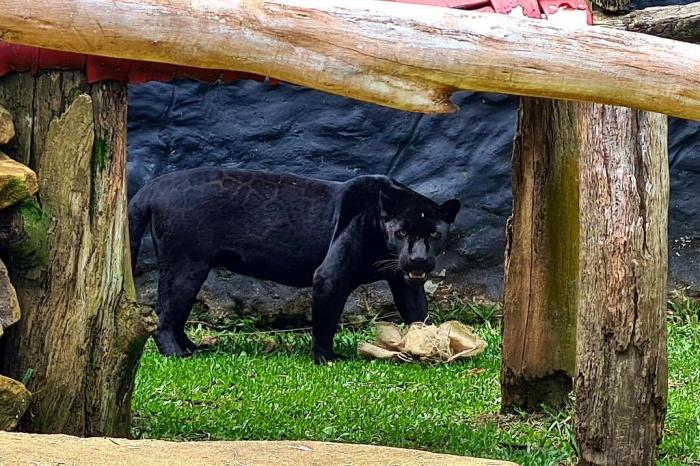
{"x": 679, "y": 22}
{"x": 409, "y": 57}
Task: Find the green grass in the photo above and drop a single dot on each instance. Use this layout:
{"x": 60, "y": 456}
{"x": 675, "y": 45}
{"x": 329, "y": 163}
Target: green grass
{"x": 681, "y": 443}
{"x": 261, "y": 386}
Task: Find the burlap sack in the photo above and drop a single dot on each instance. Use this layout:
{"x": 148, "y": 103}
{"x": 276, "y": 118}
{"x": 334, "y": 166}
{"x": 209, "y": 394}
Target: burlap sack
{"x": 419, "y": 342}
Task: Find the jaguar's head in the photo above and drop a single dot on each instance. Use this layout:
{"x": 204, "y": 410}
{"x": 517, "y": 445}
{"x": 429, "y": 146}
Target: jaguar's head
{"x": 415, "y": 230}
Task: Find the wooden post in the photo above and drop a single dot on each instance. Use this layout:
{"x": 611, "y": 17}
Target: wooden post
{"x": 81, "y": 335}
{"x": 621, "y": 381}
{"x": 622, "y": 368}
{"x": 541, "y": 260}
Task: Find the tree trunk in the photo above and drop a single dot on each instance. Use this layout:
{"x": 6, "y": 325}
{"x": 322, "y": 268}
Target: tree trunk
{"x": 81, "y": 335}
{"x": 541, "y": 261}
{"x": 410, "y": 57}
{"x": 621, "y": 382}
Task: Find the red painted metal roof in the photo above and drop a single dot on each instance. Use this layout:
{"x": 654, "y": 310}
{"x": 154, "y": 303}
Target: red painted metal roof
{"x": 531, "y": 8}
{"x": 18, "y": 58}
{"x": 460, "y": 4}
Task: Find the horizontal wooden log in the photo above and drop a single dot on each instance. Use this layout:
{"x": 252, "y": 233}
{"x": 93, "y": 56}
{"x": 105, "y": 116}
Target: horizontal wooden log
{"x": 678, "y": 22}
{"x": 409, "y": 57}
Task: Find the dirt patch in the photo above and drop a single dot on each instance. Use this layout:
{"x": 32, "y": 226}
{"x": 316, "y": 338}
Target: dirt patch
{"x": 39, "y": 450}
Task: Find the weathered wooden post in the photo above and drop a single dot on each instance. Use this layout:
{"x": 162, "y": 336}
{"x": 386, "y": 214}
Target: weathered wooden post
{"x": 622, "y": 368}
{"x": 541, "y": 260}
{"x": 621, "y": 380}
{"x": 81, "y": 335}
{"x": 613, "y": 271}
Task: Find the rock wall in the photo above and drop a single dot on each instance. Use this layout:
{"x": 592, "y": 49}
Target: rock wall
{"x": 17, "y": 184}
{"x": 287, "y": 128}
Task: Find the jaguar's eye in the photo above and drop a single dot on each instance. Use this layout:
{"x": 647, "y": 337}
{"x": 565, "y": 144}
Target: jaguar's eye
{"x": 435, "y": 235}
{"x": 401, "y": 234}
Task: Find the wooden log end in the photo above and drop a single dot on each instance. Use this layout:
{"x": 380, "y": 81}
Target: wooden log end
{"x": 14, "y": 401}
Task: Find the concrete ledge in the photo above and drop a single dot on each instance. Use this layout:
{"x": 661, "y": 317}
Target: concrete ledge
{"x": 34, "y": 449}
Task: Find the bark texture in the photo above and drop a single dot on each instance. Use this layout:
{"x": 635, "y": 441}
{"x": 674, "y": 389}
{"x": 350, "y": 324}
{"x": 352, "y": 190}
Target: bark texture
{"x": 621, "y": 382}
{"x": 678, "y": 22}
{"x": 81, "y": 333}
{"x": 541, "y": 260}
{"x": 410, "y": 57}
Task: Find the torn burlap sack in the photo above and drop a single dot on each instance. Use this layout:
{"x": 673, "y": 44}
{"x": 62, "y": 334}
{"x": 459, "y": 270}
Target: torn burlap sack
{"x": 419, "y": 342}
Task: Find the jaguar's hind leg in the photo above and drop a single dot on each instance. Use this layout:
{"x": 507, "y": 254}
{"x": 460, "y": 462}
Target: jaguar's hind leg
{"x": 178, "y": 285}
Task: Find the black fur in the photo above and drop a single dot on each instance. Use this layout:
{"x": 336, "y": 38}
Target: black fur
{"x": 292, "y": 230}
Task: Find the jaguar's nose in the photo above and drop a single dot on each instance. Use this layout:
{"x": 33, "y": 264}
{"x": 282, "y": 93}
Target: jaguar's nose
{"x": 420, "y": 264}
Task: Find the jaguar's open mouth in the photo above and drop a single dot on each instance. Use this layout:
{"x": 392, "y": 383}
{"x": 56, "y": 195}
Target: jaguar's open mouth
{"x": 416, "y": 277}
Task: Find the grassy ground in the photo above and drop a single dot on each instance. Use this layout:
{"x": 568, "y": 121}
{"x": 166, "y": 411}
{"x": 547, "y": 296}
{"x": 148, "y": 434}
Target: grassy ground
{"x": 262, "y": 386}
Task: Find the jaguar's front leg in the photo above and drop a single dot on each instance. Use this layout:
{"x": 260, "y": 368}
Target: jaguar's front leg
{"x": 333, "y": 282}
{"x": 330, "y": 294}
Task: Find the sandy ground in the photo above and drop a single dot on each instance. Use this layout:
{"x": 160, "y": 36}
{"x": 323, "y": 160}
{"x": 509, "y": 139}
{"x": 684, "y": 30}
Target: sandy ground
{"x": 40, "y": 450}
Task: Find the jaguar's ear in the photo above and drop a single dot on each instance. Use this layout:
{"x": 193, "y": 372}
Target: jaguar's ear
{"x": 449, "y": 210}
{"x": 387, "y": 206}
